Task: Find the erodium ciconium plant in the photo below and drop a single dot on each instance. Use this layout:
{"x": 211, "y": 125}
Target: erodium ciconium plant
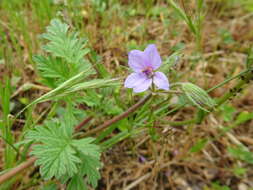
{"x": 144, "y": 64}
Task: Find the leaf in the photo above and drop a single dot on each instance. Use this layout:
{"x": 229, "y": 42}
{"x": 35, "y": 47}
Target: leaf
{"x": 123, "y": 124}
{"x": 178, "y": 47}
{"x": 217, "y": 186}
{"x": 199, "y": 145}
{"x": 69, "y": 120}
{"x": 57, "y": 92}
{"x": 90, "y": 155}
{"x": 85, "y": 146}
{"x": 64, "y": 44}
{"x": 183, "y": 16}
{"x": 226, "y": 36}
{"x": 111, "y": 108}
{"x": 91, "y": 98}
{"x": 171, "y": 61}
{"x": 55, "y": 155}
{"x": 59, "y": 155}
{"x": 241, "y": 153}
{"x": 200, "y": 4}
{"x": 96, "y": 83}
{"x": 77, "y": 183}
{"x": 90, "y": 167}
{"x": 239, "y": 171}
{"x": 243, "y": 117}
{"x": 52, "y": 68}
{"x": 67, "y": 55}
{"x": 228, "y": 112}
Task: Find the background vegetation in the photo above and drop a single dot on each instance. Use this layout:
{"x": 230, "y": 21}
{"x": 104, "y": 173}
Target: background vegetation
{"x": 209, "y": 41}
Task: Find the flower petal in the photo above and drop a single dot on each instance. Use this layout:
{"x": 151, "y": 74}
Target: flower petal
{"x": 143, "y": 86}
{"x": 136, "y": 60}
{"x": 161, "y": 81}
{"x": 153, "y": 57}
{"x": 134, "y": 80}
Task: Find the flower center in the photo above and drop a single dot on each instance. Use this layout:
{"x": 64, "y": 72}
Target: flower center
{"x": 148, "y": 72}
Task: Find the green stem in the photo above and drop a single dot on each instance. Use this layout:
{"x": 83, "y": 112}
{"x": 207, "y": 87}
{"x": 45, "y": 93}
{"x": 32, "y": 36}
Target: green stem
{"x": 247, "y": 76}
{"x": 10, "y": 144}
{"x": 180, "y": 123}
{"x": 118, "y": 117}
{"x": 230, "y": 93}
{"x": 228, "y": 80}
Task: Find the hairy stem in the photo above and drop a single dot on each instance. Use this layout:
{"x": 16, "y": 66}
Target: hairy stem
{"x": 119, "y": 117}
{"x": 80, "y": 125}
{"x": 17, "y": 170}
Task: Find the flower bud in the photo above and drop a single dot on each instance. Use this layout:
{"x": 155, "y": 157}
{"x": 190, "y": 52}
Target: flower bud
{"x": 197, "y": 96}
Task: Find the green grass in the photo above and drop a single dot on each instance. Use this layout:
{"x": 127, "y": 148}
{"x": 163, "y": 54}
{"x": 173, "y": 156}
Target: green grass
{"x": 5, "y": 124}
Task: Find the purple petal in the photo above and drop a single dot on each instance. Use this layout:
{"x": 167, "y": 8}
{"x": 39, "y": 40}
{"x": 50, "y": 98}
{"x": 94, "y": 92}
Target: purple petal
{"x": 135, "y": 79}
{"x": 143, "y": 86}
{"x": 153, "y": 57}
{"x": 136, "y": 60}
{"x": 161, "y": 81}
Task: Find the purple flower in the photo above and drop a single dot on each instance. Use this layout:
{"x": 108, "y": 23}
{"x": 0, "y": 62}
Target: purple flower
{"x": 144, "y": 63}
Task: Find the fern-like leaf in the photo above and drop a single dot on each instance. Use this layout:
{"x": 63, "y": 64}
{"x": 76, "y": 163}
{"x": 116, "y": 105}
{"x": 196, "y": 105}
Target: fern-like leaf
{"x": 59, "y": 155}
{"x": 63, "y": 43}
{"x": 90, "y": 168}
{"x": 51, "y": 68}
{"x": 67, "y": 53}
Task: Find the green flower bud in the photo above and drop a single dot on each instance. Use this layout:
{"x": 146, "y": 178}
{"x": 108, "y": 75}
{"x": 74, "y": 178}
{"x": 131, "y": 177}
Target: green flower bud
{"x": 197, "y": 96}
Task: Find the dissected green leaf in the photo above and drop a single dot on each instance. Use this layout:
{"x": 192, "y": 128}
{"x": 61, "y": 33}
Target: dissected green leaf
{"x": 63, "y": 43}
{"x": 66, "y": 57}
{"x": 55, "y": 155}
{"x": 86, "y": 147}
{"x": 111, "y": 108}
{"x": 77, "y": 183}
{"x": 50, "y": 67}
{"x": 91, "y": 98}
{"x": 90, "y": 167}
{"x": 61, "y": 156}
